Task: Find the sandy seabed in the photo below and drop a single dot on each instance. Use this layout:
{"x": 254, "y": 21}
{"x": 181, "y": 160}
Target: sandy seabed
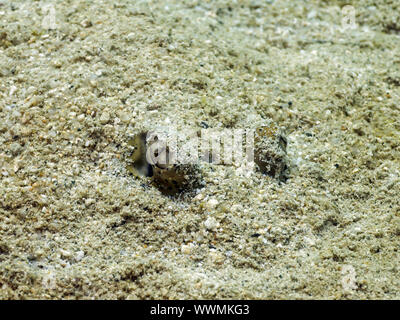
{"x": 79, "y": 78}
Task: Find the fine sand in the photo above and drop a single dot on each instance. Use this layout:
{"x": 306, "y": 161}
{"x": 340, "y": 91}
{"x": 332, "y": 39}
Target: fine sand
{"x": 79, "y": 78}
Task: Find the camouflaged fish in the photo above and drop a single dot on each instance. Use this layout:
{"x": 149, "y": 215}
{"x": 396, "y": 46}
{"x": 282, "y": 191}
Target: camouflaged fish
{"x": 170, "y": 178}
{"x": 156, "y": 160}
{"x": 270, "y": 152}
{"x": 139, "y": 166}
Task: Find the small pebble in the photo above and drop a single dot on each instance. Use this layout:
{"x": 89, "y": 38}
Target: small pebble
{"x": 212, "y": 203}
{"x": 79, "y": 255}
{"x": 211, "y": 224}
{"x": 187, "y": 248}
{"x": 15, "y": 148}
{"x": 105, "y": 117}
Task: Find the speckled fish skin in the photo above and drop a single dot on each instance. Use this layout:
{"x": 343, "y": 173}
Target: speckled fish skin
{"x": 170, "y": 179}
{"x": 270, "y": 152}
{"x": 139, "y": 166}
{"x": 177, "y": 178}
